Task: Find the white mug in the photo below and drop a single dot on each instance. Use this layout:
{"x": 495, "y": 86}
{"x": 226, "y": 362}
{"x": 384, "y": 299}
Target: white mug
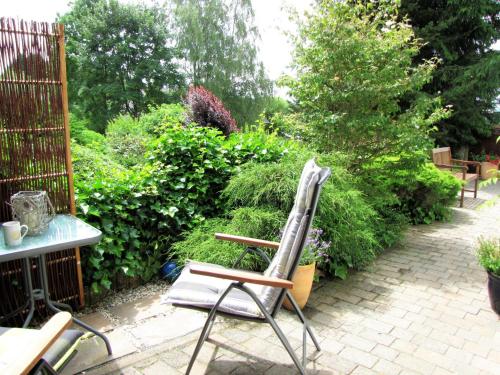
{"x": 12, "y": 233}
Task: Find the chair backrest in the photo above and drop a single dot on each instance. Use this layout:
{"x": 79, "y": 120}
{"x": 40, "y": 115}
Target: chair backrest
{"x": 295, "y": 233}
{"x": 441, "y": 155}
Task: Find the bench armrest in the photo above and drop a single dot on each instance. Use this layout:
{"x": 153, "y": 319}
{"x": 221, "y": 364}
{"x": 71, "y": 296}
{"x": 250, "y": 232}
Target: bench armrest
{"x": 450, "y": 166}
{"x": 247, "y": 241}
{"x": 241, "y": 276}
{"x": 465, "y": 162}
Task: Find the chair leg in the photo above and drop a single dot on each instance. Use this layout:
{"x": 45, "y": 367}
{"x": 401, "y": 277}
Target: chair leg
{"x": 475, "y": 187}
{"x": 275, "y": 327}
{"x": 303, "y": 320}
{"x": 462, "y": 197}
{"x": 207, "y": 328}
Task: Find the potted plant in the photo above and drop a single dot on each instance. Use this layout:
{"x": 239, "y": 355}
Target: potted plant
{"x": 488, "y": 254}
{"x": 305, "y": 273}
{"x": 489, "y": 164}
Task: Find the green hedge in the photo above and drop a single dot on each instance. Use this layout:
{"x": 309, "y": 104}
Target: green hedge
{"x": 142, "y": 210}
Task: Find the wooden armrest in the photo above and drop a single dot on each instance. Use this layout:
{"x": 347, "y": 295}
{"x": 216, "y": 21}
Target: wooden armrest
{"x": 472, "y": 162}
{"x": 242, "y": 276}
{"x": 32, "y": 344}
{"x": 247, "y": 241}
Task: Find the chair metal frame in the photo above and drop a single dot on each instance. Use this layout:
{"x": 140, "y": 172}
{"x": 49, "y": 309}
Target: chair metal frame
{"x": 269, "y": 317}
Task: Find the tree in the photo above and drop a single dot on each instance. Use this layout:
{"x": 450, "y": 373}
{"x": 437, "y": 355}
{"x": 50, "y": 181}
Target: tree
{"x": 217, "y": 39}
{"x": 460, "y": 33}
{"x": 119, "y": 59}
{"x": 356, "y": 88}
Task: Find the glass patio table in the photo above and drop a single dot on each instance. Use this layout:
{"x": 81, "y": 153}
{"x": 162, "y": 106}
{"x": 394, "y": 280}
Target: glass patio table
{"x": 64, "y": 232}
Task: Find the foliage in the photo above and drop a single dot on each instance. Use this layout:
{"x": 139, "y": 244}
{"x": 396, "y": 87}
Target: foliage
{"x": 207, "y": 110}
{"x": 488, "y": 254}
{"x": 142, "y": 210}
{"x": 217, "y": 39}
{"x": 460, "y": 33}
{"x": 89, "y": 165}
{"x": 81, "y": 133}
{"x": 256, "y": 145}
{"x": 347, "y": 220}
{"x": 356, "y": 88}
{"x": 191, "y": 166}
{"x": 127, "y": 140}
{"x": 119, "y": 59}
{"x": 315, "y": 249}
{"x": 201, "y": 245}
{"x": 163, "y": 116}
{"x": 422, "y": 194}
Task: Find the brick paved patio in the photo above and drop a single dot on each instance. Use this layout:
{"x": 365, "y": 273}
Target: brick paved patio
{"x": 422, "y": 308}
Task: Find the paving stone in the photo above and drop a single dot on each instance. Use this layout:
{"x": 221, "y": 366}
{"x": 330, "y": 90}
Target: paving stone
{"x": 359, "y": 356}
{"x": 357, "y": 342}
{"x": 159, "y": 367}
{"x": 98, "y": 321}
{"x": 384, "y": 352}
{"x": 414, "y": 364}
{"x": 387, "y": 368}
{"x": 135, "y": 311}
{"x": 159, "y": 329}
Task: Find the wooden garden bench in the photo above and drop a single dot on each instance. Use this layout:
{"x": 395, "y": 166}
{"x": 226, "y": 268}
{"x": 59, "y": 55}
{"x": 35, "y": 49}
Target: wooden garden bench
{"x": 443, "y": 160}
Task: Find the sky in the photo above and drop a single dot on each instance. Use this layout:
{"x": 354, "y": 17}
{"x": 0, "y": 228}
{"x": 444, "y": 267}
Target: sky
{"x": 270, "y": 16}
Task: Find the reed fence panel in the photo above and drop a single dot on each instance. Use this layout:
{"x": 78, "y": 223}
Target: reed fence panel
{"x": 35, "y": 148}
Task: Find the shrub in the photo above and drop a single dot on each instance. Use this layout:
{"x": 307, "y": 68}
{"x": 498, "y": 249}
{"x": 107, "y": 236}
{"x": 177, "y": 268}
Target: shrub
{"x": 127, "y": 140}
{"x": 422, "y": 194}
{"x": 347, "y": 220}
{"x": 90, "y": 166}
{"x": 81, "y": 133}
{"x": 488, "y": 254}
{"x": 109, "y": 197}
{"x": 201, "y": 245}
{"x": 206, "y": 109}
{"x": 141, "y": 211}
{"x": 163, "y": 116}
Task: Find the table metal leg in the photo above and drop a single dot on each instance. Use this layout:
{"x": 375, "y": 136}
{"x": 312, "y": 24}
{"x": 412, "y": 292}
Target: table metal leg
{"x": 29, "y": 291}
{"x": 51, "y": 305}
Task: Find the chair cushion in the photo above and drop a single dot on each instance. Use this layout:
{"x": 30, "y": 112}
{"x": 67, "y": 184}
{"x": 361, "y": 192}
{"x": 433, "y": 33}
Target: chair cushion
{"x": 204, "y": 292}
{"x": 61, "y": 346}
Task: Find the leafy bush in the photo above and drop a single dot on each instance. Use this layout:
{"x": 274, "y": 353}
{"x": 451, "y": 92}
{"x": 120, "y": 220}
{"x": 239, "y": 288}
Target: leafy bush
{"x": 201, "y": 245}
{"x": 127, "y": 140}
{"x": 208, "y": 110}
{"x": 81, "y": 133}
{"x": 422, "y": 194}
{"x": 488, "y": 254}
{"x": 347, "y": 220}
{"x": 163, "y": 116}
{"x": 141, "y": 211}
{"x": 90, "y": 166}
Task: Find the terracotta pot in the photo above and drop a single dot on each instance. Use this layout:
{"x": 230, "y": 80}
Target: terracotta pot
{"x": 494, "y": 292}
{"x": 302, "y": 285}
{"x": 488, "y": 170}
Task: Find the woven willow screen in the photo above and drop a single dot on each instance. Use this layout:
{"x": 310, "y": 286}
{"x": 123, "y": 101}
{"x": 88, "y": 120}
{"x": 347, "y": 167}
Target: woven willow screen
{"x": 34, "y": 147}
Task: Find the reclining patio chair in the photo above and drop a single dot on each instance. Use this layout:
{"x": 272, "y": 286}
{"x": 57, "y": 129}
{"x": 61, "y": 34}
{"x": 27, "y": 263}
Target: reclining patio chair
{"x": 251, "y": 296}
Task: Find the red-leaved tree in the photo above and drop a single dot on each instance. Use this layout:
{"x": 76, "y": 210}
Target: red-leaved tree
{"x": 208, "y": 110}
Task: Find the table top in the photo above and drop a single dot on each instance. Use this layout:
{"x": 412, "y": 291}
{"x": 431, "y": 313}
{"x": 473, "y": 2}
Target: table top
{"x": 65, "y": 232}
